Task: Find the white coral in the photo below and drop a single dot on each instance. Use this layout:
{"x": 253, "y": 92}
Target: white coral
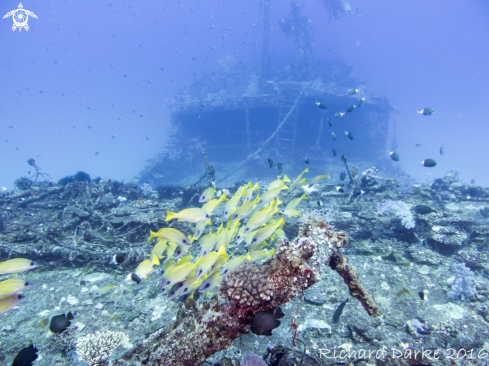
{"x": 97, "y": 348}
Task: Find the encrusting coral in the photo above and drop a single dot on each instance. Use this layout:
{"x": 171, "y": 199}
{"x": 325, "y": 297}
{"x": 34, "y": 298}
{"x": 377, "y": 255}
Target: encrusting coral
{"x": 200, "y": 332}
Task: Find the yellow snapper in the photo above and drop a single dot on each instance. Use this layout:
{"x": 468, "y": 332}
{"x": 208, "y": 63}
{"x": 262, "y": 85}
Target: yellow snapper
{"x": 208, "y": 244}
{"x": 278, "y": 183}
{"x": 290, "y": 212}
{"x": 159, "y": 249}
{"x": 245, "y": 209}
{"x": 240, "y": 234}
{"x": 192, "y": 215}
{"x": 170, "y": 250}
{"x": 261, "y": 254}
{"x": 293, "y": 204}
{"x": 207, "y": 195}
{"x": 222, "y": 239}
{"x": 16, "y": 265}
{"x": 232, "y": 203}
{"x": 234, "y": 263}
{"x": 178, "y": 273}
{"x": 261, "y": 216}
{"x": 317, "y": 179}
{"x": 172, "y": 235}
{"x": 190, "y": 285}
{"x": 212, "y": 281}
{"x": 8, "y": 302}
{"x": 242, "y": 190}
{"x": 209, "y": 260}
{"x": 272, "y": 193}
{"x": 232, "y": 230}
{"x": 12, "y": 286}
{"x": 145, "y": 267}
{"x": 264, "y": 233}
{"x": 248, "y": 196}
{"x": 211, "y": 205}
{"x": 297, "y": 181}
{"x": 199, "y": 228}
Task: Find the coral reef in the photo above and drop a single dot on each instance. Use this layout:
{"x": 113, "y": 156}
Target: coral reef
{"x": 97, "y": 348}
{"x": 295, "y": 266}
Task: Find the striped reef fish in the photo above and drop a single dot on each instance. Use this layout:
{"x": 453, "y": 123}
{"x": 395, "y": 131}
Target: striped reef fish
{"x": 159, "y": 249}
{"x": 231, "y": 204}
{"x": 297, "y": 181}
{"x": 278, "y": 183}
{"x": 199, "y": 228}
{"x": 209, "y": 260}
{"x": 317, "y": 179}
{"x": 192, "y": 215}
{"x": 172, "y": 235}
{"x": 264, "y": 233}
{"x": 16, "y": 265}
{"x": 8, "y": 302}
{"x": 211, "y": 282}
{"x": 211, "y": 205}
{"x": 12, "y": 286}
{"x": 245, "y": 209}
{"x": 272, "y": 193}
{"x": 207, "y": 194}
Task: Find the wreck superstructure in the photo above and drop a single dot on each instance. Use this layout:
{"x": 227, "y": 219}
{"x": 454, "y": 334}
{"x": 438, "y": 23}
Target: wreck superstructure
{"x": 241, "y": 117}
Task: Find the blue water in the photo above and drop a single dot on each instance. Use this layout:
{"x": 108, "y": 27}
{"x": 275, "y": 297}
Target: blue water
{"x": 113, "y": 65}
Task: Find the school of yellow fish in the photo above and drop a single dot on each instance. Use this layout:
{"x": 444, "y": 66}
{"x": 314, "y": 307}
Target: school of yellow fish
{"x": 10, "y": 288}
{"x": 183, "y": 275}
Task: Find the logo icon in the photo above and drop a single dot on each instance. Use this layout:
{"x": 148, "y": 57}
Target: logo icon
{"x": 20, "y": 17}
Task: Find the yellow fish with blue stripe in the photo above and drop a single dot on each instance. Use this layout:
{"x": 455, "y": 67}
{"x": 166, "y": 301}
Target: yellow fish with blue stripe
{"x": 248, "y": 196}
{"x": 209, "y": 260}
{"x": 212, "y": 281}
{"x": 211, "y": 205}
{"x": 200, "y": 227}
{"x": 192, "y": 215}
{"x": 245, "y": 209}
{"x": 16, "y": 265}
{"x": 208, "y": 244}
{"x": 8, "y": 302}
{"x": 231, "y": 204}
{"x": 242, "y": 190}
{"x": 262, "y": 215}
{"x": 208, "y": 194}
{"x": 272, "y": 193}
{"x": 298, "y": 181}
{"x": 264, "y": 233}
{"x": 290, "y": 210}
{"x": 178, "y": 273}
{"x": 12, "y": 286}
{"x": 146, "y": 267}
{"x": 278, "y": 183}
{"x": 159, "y": 249}
{"x": 234, "y": 263}
{"x": 317, "y": 179}
{"x": 258, "y": 255}
{"x": 170, "y": 234}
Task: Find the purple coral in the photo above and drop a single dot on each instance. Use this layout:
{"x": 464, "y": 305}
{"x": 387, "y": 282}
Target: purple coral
{"x": 253, "y": 360}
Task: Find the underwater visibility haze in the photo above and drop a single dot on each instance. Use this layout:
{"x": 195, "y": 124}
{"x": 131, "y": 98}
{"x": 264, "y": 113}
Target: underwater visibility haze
{"x": 244, "y": 183}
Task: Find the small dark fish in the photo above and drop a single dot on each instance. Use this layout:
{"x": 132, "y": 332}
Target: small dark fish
{"x": 270, "y": 162}
{"x": 361, "y": 101}
{"x": 88, "y": 108}
{"x": 89, "y": 126}
{"x": 59, "y": 323}
{"x": 417, "y": 145}
{"x": 147, "y": 138}
{"x": 423, "y": 209}
{"x": 351, "y": 108}
{"x": 333, "y": 135}
{"x": 306, "y": 160}
{"x": 428, "y": 111}
{"x": 29, "y": 172}
{"x": 40, "y": 91}
{"x": 429, "y": 163}
{"x": 442, "y": 150}
{"x": 117, "y": 259}
{"x": 96, "y": 153}
{"x": 114, "y": 136}
{"x": 11, "y": 126}
{"x": 134, "y": 277}
{"x": 342, "y": 176}
{"x": 340, "y": 189}
{"x": 322, "y": 105}
{"x": 394, "y": 156}
{"x": 349, "y": 134}
{"x": 353, "y": 91}
{"x": 265, "y": 321}
{"x": 423, "y": 295}
{"x": 472, "y": 181}
{"x": 330, "y": 123}
{"x": 26, "y": 356}
{"x": 339, "y": 310}
{"x": 334, "y": 152}
{"x": 319, "y": 203}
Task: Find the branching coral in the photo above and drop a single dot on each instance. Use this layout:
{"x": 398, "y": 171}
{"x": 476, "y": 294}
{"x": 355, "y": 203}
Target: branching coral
{"x": 97, "y": 348}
